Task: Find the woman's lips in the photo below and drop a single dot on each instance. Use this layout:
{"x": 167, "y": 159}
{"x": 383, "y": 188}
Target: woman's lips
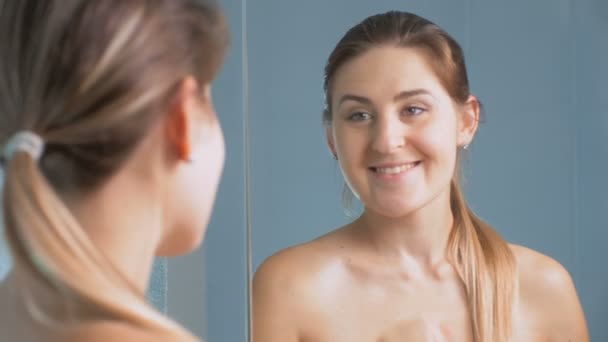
{"x": 394, "y": 169}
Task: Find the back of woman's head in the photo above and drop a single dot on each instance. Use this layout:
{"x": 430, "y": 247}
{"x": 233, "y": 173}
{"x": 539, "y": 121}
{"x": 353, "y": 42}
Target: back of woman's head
{"x": 90, "y": 78}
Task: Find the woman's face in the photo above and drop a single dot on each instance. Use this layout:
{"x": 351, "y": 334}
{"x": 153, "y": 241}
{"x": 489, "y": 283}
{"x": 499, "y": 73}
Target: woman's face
{"x": 395, "y": 129}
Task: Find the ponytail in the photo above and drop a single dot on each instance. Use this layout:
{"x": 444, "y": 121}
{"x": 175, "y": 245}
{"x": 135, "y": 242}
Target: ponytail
{"x": 487, "y": 267}
{"x": 50, "y": 247}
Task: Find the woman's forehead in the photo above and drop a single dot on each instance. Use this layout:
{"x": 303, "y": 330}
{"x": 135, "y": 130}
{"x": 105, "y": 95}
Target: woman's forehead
{"x": 386, "y": 70}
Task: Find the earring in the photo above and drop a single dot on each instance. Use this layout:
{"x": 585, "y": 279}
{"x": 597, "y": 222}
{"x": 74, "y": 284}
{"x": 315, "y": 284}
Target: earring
{"x": 191, "y": 158}
{"x": 465, "y": 146}
{"x": 335, "y": 156}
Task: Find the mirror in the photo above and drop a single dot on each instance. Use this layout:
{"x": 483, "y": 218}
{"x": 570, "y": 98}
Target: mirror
{"x": 534, "y": 171}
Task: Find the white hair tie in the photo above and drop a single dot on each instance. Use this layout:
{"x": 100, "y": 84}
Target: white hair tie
{"x": 24, "y": 141}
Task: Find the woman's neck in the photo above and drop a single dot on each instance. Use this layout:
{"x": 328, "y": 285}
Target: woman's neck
{"x": 421, "y": 236}
{"x": 123, "y": 221}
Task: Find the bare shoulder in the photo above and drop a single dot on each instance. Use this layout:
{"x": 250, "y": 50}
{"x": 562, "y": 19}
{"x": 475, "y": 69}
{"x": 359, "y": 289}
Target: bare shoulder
{"x": 296, "y": 268}
{"x": 300, "y": 264}
{"x": 17, "y": 323}
{"x": 115, "y": 331}
{"x": 542, "y": 270}
{"x": 288, "y": 291}
{"x": 549, "y": 296}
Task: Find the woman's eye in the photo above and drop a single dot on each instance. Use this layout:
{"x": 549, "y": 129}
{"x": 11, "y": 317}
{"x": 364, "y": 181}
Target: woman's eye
{"x": 359, "y": 116}
{"x": 413, "y": 111}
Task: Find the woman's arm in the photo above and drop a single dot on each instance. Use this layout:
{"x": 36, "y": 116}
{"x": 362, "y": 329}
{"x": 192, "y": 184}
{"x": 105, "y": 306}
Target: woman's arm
{"x": 549, "y": 292}
{"x": 563, "y": 312}
{"x": 274, "y": 302}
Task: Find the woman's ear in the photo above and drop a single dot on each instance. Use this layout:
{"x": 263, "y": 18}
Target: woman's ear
{"x": 468, "y": 121}
{"x": 180, "y": 123}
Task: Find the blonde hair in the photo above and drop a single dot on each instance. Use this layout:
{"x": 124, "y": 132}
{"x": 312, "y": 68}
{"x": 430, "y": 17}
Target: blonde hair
{"x": 483, "y": 260}
{"x": 89, "y": 77}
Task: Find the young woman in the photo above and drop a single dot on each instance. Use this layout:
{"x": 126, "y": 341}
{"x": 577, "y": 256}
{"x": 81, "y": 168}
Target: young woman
{"x": 417, "y": 265}
{"x": 112, "y": 154}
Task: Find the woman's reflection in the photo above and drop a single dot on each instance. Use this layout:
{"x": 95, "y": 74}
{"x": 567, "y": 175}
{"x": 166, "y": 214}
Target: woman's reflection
{"x": 418, "y": 264}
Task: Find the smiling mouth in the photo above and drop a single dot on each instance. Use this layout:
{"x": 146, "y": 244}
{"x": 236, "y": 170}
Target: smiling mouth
{"x": 394, "y": 169}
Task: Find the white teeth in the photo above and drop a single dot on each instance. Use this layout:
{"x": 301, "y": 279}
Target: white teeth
{"x": 396, "y": 169}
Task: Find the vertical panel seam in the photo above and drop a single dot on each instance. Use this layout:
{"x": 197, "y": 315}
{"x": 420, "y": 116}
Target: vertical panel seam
{"x": 467, "y": 27}
{"x": 247, "y": 140}
{"x": 575, "y": 226}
